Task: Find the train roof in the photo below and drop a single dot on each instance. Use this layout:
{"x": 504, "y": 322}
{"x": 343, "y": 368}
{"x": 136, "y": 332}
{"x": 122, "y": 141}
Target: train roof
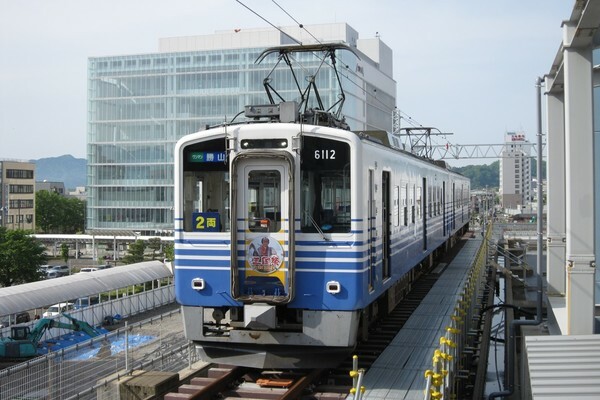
{"x": 393, "y": 141}
{"x": 289, "y": 112}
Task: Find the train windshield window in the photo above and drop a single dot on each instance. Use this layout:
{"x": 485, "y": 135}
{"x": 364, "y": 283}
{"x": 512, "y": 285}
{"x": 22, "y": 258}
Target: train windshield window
{"x": 325, "y": 190}
{"x": 206, "y": 187}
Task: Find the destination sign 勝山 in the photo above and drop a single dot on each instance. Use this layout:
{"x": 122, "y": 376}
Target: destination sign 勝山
{"x": 207, "y": 156}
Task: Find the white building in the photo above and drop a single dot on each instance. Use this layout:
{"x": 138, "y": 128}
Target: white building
{"x": 515, "y": 171}
{"x": 141, "y": 104}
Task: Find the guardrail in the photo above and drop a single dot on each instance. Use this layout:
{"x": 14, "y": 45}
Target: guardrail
{"x": 95, "y": 368}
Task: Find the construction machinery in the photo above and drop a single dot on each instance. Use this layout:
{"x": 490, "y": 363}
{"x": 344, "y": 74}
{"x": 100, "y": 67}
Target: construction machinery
{"x": 24, "y": 342}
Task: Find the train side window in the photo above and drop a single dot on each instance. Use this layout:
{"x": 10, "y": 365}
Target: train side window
{"x": 325, "y": 186}
{"x": 405, "y": 205}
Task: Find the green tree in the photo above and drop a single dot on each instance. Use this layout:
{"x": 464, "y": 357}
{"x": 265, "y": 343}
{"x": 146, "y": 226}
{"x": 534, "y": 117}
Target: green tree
{"x": 20, "y": 257}
{"x": 135, "y": 252}
{"x": 74, "y": 215}
{"x": 155, "y": 245}
{"x": 64, "y": 252}
{"x": 169, "y": 250}
{"x": 47, "y": 205}
{"x": 59, "y": 214}
{"x": 482, "y": 175}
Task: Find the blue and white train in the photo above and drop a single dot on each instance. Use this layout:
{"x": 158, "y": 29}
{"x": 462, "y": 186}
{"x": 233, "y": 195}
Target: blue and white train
{"x": 291, "y": 238}
{"x": 293, "y": 234}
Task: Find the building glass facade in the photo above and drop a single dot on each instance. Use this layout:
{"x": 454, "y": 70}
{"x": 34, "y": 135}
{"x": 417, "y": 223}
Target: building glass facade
{"x": 140, "y": 105}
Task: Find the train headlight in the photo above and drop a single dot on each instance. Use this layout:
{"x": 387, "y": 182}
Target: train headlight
{"x": 333, "y": 287}
{"x": 198, "y": 284}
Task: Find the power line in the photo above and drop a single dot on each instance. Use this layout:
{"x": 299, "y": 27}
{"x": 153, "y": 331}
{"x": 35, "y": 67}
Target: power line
{"x": 267, "y": 21}
{"x": 301, "y": 26}
{"x": 389, "y": 109}
{"x": 406, "y": 117}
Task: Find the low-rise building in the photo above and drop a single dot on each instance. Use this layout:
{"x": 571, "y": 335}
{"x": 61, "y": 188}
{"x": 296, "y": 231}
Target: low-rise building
{"x": 17, "y": 194}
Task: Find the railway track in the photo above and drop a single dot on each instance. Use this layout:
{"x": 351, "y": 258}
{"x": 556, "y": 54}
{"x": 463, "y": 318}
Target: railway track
{"x": 227, "y": 382}
{"x": 224, "y": 382}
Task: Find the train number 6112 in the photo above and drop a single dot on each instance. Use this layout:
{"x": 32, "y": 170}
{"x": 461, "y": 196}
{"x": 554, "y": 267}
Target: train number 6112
{"x": 324, "y": 154}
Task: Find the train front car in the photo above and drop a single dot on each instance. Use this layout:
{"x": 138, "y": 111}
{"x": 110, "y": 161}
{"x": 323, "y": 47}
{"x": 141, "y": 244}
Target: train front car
{"x": 269, "y": 263}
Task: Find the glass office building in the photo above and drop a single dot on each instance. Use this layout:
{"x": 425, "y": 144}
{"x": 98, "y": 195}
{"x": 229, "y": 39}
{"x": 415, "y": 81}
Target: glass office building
{"x": 140, "y": 105}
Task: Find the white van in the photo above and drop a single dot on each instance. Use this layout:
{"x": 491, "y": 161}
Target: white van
{"x": 57, "y": 309}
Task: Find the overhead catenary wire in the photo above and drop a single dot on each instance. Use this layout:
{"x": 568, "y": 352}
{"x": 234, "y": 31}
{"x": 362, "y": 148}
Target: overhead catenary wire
{"x": 403, "y": 115}
{"x": 268, "y": 22}
{"x": 301, "y": 26}
{"x": 300, "y": 43}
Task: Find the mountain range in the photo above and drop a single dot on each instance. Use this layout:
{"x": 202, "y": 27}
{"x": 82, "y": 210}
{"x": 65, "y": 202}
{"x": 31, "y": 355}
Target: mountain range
{"x": 67, "y": 169}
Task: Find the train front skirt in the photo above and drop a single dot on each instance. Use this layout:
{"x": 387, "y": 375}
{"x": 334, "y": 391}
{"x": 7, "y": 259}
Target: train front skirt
{"x": 328, "y": 336}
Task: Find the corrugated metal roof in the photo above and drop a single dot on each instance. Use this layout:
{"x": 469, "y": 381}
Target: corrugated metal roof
{"x": 563, "y": 367}
{"x": 39, "y": 294}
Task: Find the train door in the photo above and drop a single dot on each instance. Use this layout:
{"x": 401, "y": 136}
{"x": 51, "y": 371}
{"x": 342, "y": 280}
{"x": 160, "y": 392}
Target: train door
{"x": 444, "y": 219}
{"x": 453, "y": 221}
{"x": 425, "y": 211}
{"x": 263, "y": 270}
{"x": 386, "y": 228}
{"x": 372, "y": 229}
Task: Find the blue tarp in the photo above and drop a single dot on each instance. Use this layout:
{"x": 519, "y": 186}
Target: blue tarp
{"x": 101, "y": 348}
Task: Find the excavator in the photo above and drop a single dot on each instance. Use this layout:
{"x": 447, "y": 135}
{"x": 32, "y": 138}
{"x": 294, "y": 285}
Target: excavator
{"x": 23, "y": 341}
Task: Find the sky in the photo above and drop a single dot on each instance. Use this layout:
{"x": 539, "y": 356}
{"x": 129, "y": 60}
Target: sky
{"x": 466, "y": 67}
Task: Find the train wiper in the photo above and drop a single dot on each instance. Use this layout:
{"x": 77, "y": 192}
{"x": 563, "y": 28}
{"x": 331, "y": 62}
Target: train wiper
{"x": 312, "y": 221}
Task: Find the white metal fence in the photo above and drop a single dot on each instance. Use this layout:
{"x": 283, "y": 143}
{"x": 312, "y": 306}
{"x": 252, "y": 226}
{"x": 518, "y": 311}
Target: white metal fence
{"x": 94, "y": 369}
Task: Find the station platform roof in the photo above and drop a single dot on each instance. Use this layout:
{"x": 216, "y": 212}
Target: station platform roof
{"x": 36, "y": 295}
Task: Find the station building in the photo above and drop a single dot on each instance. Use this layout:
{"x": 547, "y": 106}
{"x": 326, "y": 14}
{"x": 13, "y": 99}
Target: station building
{"x": 140, "y": 105}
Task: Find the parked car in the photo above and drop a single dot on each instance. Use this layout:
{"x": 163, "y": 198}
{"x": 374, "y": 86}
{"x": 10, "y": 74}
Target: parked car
{"x": 44, "y": 268}
{"x": 57, "y": 309}
{"x": 60, "y": 270}
{"x": 52, "y": 274}
{"x": 104, "y": 266}
{"x": 88, "y": 269}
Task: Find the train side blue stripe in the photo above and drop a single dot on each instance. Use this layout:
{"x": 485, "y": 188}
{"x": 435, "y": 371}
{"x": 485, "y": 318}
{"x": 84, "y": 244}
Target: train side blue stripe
{"x": 329, "y": 255}
{"x": 299, "y": 231}
{"x": 202, "y": 252}
{"x": 203, "y": 241}
{"x": 328, "y": 265}
{"x": 328, "y": 243}
{"x": 184, "y": 262}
